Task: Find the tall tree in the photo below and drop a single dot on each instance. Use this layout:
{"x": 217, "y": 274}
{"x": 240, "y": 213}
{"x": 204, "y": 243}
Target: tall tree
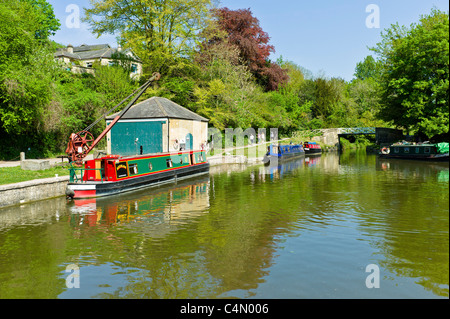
{"x": 158, "y": 31}
{"x": 48, "y": 23}
{"x": 415, "y": 78}
{"x": 27, "y": 75}
{"x": 26, "y": 67}
{"x": 243, "y": 31}
{"x": 369, "y": 68}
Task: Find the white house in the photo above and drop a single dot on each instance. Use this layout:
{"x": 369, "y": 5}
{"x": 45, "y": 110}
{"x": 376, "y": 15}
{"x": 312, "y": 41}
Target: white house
{"x": 81, "y": 59}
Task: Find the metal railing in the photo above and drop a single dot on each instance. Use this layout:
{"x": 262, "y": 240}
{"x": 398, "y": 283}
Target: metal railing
{"x": 358, "y": 130}
{"x": 74, "y": 177}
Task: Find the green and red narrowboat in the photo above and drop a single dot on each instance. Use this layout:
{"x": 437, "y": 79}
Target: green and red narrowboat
{"x": 115, "y": 174}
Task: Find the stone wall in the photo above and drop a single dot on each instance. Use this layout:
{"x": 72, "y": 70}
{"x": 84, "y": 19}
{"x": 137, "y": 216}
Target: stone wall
{"x": 329, "y": 137}
{"x": 178, "y": 129}
{"x": 19, "y": 193}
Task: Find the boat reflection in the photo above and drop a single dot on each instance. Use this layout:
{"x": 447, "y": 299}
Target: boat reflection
{"x": 277, "y": 171}
{"x": 410, "y": 169}
{"x": 163, "y": 206}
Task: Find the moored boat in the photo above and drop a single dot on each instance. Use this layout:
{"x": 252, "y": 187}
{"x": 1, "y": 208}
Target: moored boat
{"x": 115, "y": 174}
{"x": 312, "y": 148}
{"x": 277, "y": 153}
{"x": 423, "y": 151}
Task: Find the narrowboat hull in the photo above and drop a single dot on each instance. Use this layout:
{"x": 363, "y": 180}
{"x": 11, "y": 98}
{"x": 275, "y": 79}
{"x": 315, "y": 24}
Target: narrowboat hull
{"x": 424, "y": 152}
{"x": 431, "y": 158}
{"x": 99, "y": 189}
{"x": 312, "y": 148}
{"x": 313, "y": 151}
{"x": 282, "y": 153}
{"x": 120, "y": 179}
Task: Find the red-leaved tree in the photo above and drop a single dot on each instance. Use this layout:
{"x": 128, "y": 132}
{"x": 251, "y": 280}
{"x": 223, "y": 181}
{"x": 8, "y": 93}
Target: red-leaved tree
{"x": 244, "y": 32}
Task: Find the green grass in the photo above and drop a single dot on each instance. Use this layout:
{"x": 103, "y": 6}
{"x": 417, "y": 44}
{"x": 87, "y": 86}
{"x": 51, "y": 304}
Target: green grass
{"x": 10, "y": 175}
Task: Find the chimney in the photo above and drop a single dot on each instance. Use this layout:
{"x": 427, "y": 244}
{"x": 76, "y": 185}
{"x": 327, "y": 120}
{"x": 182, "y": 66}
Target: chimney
{"x": 70, "y": 48}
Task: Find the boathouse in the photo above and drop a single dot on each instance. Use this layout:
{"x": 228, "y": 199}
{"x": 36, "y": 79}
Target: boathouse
{"x": 156, "y": 125}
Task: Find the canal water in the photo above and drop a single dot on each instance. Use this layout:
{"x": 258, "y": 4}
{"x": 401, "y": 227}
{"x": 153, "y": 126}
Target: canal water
{"x": 333, "y": 226}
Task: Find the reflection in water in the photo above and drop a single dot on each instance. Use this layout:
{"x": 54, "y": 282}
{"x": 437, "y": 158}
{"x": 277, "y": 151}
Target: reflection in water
{"x": 303, "y": 229}
{"x": 147, "y": 241}
{"x": 414, "y": 246}
{"x": 170, "y": 206}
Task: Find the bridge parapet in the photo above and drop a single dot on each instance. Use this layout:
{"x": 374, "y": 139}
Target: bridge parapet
{"x": 330, "y": 136}
{"x": 357, "y": 130}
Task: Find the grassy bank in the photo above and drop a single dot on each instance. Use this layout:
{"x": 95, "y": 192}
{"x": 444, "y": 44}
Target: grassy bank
{"x": 10, "y": 175}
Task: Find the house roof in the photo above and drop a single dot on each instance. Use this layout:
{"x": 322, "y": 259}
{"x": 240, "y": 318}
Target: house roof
{"x": 159, "y": 107}
{"x": 96, "y": 51}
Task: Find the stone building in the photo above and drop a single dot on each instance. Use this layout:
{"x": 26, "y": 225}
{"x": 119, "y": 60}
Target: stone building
{"x": 156, "y": 125}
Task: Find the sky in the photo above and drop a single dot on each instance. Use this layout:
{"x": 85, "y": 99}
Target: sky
{"x": 326, "y": 37}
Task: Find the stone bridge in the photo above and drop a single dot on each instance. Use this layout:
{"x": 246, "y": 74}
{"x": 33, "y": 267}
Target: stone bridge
{"x": 331, "y": 136}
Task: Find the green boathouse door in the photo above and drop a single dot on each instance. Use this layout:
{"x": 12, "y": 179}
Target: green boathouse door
{"x": 134, "y": 137}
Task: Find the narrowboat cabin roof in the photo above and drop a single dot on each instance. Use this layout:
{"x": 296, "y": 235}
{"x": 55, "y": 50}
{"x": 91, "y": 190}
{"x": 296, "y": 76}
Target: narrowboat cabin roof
{"x": 158, "y": 107}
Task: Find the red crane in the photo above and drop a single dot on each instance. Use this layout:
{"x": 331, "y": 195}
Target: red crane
{"x": 81, "y": 143}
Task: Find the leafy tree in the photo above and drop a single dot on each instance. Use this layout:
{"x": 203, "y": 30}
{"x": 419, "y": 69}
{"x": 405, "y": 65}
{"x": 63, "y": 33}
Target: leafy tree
{"x": 366, "y": 95}
{"x": 27, "y": 74}
{"x": 415, "y": 78}
{"x": 26, "y": 68}
{"x": 326, "y": 96}
{"x": 365, "y": 91}
{"x": 113, "y": 82}
{"x": 226, "y": 94}
{"x": 159, "y": 32}
{"x": 369, "y": 68}
{"x": 48, "y": 23}
{"x": 243, "y": 31}
{"x": 295, "y": 74}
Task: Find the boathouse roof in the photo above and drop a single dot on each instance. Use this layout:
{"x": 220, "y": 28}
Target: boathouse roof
{"x": 159, "y": 107}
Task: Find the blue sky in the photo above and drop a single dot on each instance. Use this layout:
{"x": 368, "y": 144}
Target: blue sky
{"x": 326, "y": 37}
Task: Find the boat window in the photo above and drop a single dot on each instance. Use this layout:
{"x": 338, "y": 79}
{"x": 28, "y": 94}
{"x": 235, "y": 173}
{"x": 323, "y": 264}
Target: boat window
{"x": 169, "y": 162}
{"x": 427, "y": 150}
{"x": 133, "y": 169}
{"x": 121, "y": 169}
{"x": 396, "y": 149}
{"x": 417, "y": 150}
{"x": 406, "y": 150}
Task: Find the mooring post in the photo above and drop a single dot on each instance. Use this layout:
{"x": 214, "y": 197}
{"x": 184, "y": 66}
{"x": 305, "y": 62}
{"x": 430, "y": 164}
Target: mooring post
{"x": 22, "y": 156}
